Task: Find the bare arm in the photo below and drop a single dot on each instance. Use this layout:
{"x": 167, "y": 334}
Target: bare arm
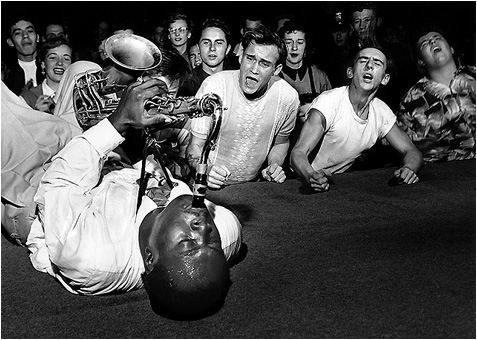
{"x": 311, "y": 134}
{"x": 412, "y": 158}
{"x": 274, "y": 171}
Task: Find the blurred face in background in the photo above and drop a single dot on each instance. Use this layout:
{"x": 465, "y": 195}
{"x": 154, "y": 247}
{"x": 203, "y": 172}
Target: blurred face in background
{"x": 364, "y": 23}
{"x": 54, "y": 30}
{"x": 194, "y": 56}
{"x": 296, "y": 46}
{"x": 179, "y": 33}
{"x": 340, "y": 36}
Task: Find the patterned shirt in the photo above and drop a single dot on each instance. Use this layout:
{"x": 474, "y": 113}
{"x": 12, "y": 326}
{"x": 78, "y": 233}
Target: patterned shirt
{"x": 249, "y": 127}
{"x": 440, "y": 119}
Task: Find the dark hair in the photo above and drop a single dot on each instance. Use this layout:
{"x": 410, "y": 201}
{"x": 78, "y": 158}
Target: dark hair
{"x": 418, "y": 32}
{"x": 359, "y": 6}
{"x": 252, "y": 17}
{"x": 10, "y": 21}
{"x": 298, "y": 25}
{"x": 178, "y": 16}
{"x": 173, "y": 66}
{"x": 56, "y": 23}
{"x": 52, "y": 43}
{"x": 293, "y": 25}
{"x": 217, "y": 23}
{"x": 186, "y": 296}
{"x": 369, "y": 43}
{"x": 262, "y": 35}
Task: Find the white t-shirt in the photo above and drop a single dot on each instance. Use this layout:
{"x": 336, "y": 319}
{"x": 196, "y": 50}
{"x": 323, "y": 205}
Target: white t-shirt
{"x": 30, "y": 70}
{"x": 347, "y": 135}
{"x": 249, "y": 127}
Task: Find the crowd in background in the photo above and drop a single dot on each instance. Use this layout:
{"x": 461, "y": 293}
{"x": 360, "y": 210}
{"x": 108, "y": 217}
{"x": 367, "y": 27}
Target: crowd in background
{"x": 330, "y": 37}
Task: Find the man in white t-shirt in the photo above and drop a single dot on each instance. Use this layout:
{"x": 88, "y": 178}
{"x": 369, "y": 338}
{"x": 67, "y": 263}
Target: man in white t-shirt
{"x": 260, "y": 113}
{"x": 23, "y": 71}
{"x": 348, "y": 120}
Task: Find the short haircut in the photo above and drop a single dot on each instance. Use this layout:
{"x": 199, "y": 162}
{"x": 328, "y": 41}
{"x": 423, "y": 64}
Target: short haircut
{"x": 10, "y": 22}
{"x": 217, "y": 23}
{"x": 368, "y": 43}
{"x": 52, "y": 43}
{"x": 262, "y": 35}
{"x": 359, "y": 6}
{"x": 173, "y": 66}
{"x": 418, "y": 33}
{"x": 186, "y": 296}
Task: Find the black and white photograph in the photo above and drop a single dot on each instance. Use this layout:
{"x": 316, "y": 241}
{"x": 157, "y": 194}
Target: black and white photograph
{"x": 238, "y": 170}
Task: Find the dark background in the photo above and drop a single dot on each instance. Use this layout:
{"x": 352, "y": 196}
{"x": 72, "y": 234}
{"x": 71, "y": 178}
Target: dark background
{"x": 457, "y": 17}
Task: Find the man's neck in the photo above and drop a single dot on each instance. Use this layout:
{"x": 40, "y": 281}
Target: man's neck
{"x": 360, "y": 100}
{"x": 444, "y": 74}
{"x": 211, "y": 70}
{"x": 26, "y": 58}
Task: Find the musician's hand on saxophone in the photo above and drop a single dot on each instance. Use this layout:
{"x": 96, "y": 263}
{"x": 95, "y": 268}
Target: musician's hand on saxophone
{"x": 131, "y": 111}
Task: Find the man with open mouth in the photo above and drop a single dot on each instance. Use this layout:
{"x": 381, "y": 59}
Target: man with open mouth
{"x": 349, "y": 120}
{"x": 260, "y": 113}
{"x": 438, "y": 112}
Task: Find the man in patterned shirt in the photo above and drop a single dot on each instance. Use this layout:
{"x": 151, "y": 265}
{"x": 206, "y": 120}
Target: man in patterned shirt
{"x": 438, "y": 112}
{"x": 260, "y": 113}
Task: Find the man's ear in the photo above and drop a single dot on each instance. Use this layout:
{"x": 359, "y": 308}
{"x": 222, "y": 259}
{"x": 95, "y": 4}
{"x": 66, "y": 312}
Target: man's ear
{"x": 189, "y": 35}
{"x": 228, "y": 49}
{"x": 385, "y": 79}
{"x": 278, "y": 69}
{"x": 421, "y": 63}
{"x": 10, "y": 42}
{"x": 349, "y": 73}
{"x": 379, "y": 21}
{"x": 149, "y": 259}
{"x": 452, "y": 50}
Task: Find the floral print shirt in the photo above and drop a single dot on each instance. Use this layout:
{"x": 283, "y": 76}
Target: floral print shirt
{"x": 440, "y": 119}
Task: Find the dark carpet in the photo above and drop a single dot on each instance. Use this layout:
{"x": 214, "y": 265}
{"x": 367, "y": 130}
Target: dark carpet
{"x": 364, "y": 260}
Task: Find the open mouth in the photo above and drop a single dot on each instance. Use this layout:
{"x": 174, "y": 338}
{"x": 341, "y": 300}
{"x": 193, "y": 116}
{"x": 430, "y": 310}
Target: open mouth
{"x": 250, "y": 81}
{"x": 436, "y": 49}
{"x": 367, "y": 77}
{"x": 294, "y": 55}
{"x": 58, "y": 71}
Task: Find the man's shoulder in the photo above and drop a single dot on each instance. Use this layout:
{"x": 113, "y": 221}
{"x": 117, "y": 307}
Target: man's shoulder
{"x": 334, "y": 94}
{"x": 281, "y": 84}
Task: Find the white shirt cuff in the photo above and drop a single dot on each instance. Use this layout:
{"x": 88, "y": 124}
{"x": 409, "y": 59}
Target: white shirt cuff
{"x": 103, "y": 137}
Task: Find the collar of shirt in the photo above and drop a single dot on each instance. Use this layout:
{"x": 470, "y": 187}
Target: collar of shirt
{"x": 47, "y": 91}
{"x": 292, "y": 73}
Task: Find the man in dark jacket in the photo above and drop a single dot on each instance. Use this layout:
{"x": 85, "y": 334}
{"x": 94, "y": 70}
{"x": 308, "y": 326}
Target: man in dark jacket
{"x": 23, "y": 69}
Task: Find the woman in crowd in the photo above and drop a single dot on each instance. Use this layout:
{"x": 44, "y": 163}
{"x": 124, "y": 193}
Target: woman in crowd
{"x": 306, "y": 78}
{"x": 56, "y": 56}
